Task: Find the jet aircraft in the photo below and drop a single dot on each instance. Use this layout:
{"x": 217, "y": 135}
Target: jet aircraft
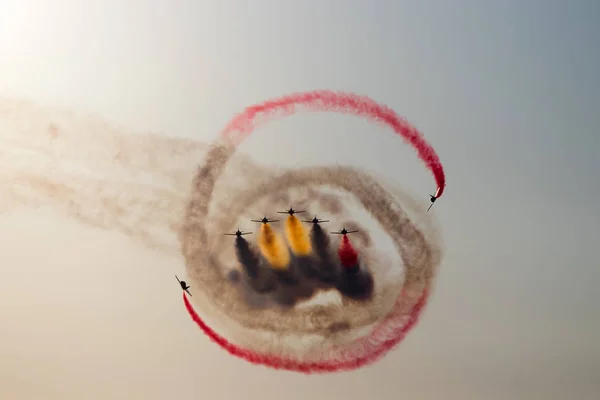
{"x": 316, "y": 220}
{"x": 433, "y": 198}
{"x": 343, "y": 232}
{"x": 265, "y": 220}
{"x": 238, "y": 233}
{"x": 291, "y": 211}
{"x": 183, "y": 285}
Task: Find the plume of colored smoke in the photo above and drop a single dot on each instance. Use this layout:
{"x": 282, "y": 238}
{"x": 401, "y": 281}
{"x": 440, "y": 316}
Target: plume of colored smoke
{"x": 297, "y": 237}
{"x": 369, "y": 352}
{"x": 272, "y": 248}
{"x": 320, "y": 241}
{"x": 348, "y": 103}
{"x": 347, "y": 253}
{"x": 246, "y": 257}
{"x": 395, "y": 325}
{"x": 101, "y": 203}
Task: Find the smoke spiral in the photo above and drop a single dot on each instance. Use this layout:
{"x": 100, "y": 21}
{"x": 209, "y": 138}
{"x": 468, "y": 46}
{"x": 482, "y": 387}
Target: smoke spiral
{"x": 325, "y": 346}
{"x": 136, "y": 184}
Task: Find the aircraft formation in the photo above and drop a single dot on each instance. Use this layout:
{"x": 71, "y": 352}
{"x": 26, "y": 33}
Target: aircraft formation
{"x": 265, "y": 221}
{"x": 291, "y": 211}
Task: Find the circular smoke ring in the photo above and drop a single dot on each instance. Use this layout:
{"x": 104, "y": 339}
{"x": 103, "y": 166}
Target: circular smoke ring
{"x": 201, "y": 248}
{"x": 379, "y": 203}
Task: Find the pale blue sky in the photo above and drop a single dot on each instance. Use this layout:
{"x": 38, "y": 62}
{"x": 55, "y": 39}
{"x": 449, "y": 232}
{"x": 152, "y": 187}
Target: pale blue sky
{"x": 506, "y": 91}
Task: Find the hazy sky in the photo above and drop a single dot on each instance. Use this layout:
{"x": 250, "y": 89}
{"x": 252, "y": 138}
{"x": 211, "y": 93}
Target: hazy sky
{"x": 506, "y": 91}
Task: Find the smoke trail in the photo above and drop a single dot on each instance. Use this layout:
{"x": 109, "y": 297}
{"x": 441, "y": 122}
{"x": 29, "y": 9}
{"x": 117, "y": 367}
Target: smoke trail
{"x": 133, "y": 184}
{"x": 320, "y": 266}
{"x": 297, "y": 237}
{"x": 347, "y": 254}
{"x": 257, "y": 279}
{"x": 320, "y": 241}
{"x": 420, "y": 257}
{"x": 247, "y": 257}
{"x": 272, "y": 248}
{"x": 327, "y": 270}
{"x": 340, "y": 361}
{"x": 323, "y": 100}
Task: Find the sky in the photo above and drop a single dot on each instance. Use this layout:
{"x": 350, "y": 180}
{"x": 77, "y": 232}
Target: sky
{"x": 507, "y": 92}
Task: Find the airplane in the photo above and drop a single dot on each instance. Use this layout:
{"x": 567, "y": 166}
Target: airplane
{"x": 265, "y": 220}
{"x": 316, "y": 220}
{"x": 238, "y": 233}
{"x": 291, "y": 211}
{"x": 343, "y": 232}
{"x": 183, "y": 285}
{"x": 433, "y": 198}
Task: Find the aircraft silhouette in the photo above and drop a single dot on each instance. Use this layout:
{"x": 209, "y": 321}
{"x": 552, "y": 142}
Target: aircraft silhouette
{"x": 238, "y": 233}
{"x": 291, "y": 211}
{"x": 343, "y": 232}
{"x": 265, "y": 220}
{"x": 316, "y": 220}
{"x": 432, "y": 198}
{"x": 183, "y": 285}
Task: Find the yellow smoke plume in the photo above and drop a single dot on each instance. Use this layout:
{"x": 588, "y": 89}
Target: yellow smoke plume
{"x": 297, "y": 237}
{"x": 273, "y": 248}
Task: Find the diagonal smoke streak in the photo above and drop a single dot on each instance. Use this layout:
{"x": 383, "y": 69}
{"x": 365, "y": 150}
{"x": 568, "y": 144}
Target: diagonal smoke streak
{"x": 102, "y": 176}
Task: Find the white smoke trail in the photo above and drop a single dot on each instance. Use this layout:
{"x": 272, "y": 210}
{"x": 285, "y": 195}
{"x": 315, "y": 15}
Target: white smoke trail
{"x": 96, "y": 172}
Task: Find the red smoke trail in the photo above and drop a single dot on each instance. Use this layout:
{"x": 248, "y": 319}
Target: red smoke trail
{"x": 323, "y": 100}
{"x": 372, "y": 349}
{"x": 347, "y": 253}
{"x": 394, "y": 327}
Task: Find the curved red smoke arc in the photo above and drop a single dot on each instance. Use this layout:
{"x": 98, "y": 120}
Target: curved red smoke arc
{"x": 308, "y": 367}
{"x": 241, "y": 127}
{"x": 344, "y": 103}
